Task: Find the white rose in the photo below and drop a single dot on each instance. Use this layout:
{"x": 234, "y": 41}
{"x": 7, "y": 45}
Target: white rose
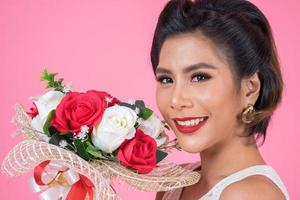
{"x": 153, "y": 127}
{"x": 117, "y": 124}
{"x": 45, "y": 104}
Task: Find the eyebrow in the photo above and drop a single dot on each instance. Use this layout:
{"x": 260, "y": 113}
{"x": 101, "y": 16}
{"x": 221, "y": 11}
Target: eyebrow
{"x": 187, "y": 69}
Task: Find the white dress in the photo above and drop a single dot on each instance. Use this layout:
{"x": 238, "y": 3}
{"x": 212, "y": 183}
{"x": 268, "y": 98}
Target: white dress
{"x": 215, "y": 192}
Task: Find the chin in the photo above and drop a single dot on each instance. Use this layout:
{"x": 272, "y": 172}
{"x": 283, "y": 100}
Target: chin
{"x": 190, "y": 150}
{"x": 190, "y": 145}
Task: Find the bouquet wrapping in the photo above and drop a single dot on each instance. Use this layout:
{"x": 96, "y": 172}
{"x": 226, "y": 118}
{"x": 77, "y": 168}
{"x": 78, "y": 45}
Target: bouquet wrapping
{"x": 77, "y": 143}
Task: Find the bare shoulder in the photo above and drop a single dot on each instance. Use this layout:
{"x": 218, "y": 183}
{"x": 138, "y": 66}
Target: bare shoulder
{"x": 254, "y": 187}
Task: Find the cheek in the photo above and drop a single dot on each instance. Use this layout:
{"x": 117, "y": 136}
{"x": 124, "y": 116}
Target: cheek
{"x": 162, "y": 100}
{"x": 222, "y": 104}
{"x": 217, "y": 97}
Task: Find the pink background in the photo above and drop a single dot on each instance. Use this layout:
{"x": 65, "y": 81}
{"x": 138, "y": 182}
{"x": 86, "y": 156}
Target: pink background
{"x": 105, "y": 45}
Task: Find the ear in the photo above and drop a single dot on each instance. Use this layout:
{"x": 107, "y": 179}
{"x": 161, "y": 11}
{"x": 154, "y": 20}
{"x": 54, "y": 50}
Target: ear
{"x": 250, "y": 89}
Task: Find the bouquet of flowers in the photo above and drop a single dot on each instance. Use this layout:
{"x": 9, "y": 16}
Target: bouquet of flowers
{"x": 78, "y": 143}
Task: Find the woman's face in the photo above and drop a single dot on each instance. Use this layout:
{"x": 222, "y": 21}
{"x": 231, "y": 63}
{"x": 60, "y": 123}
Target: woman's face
{"x": 196, "y": 92}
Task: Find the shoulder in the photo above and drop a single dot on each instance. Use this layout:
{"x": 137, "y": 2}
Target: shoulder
{"x": 253, "y": 187}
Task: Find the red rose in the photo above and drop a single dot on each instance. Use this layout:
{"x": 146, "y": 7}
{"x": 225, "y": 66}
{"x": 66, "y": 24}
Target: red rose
{"x": 79, "y": 109}
{"x": 110, "y": 99}
{"x": 33, "y": 111}
{"x": 138, "y": 152}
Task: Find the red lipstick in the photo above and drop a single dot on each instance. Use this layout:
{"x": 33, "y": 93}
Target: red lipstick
{"x": 191, "y": 128}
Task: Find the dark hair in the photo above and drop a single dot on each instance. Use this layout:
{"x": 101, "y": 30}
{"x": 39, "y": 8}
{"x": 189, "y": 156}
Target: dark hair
{"x": 244, "y": 34}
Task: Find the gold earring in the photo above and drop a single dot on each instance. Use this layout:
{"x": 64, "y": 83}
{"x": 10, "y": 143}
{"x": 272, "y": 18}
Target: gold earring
{"x": 248, "y": 114}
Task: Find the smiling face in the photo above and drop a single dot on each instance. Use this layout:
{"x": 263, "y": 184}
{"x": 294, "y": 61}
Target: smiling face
{"x": 197, "y": 93}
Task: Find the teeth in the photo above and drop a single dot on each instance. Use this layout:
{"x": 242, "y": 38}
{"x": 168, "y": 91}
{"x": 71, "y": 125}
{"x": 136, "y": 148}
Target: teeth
{"x": 192, "y": 122}
{"x": 188, "y": 123}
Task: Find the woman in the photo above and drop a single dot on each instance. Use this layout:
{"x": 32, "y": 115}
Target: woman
{"x": 218, "y": 83}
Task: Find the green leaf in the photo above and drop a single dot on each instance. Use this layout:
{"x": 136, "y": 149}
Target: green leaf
{"x": 133, "y": 107}
{"x": 81, "y": 149}
{"x": 115, "y": 152}
{"x": 140, "y": 103}
{"x": 60, "y": 81}
{"x": 145, "y": 113}
{"x": 50, "y": 77}
{"x": 48, "y": 122}
{"x": 66, "y": 134}
{"x": 160, "y": 155}
{"x": 55, "y": 139}
{"x": 44, "y": 75}
{"x": 136, "y": 125}
{"x": 52, "y": 130}
{"x": 95, "y": 152}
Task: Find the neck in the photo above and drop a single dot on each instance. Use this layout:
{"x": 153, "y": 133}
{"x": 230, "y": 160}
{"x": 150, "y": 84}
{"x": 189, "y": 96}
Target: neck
{"x": 231, "y": 156}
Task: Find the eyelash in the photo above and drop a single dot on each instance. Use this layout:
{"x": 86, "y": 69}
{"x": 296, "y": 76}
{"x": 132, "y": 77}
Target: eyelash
{"x": 161, "y": 79}
{"x": 203, "y": 77}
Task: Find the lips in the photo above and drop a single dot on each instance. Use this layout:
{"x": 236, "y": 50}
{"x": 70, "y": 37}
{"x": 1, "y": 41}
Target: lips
{"x": 189, "y": 125}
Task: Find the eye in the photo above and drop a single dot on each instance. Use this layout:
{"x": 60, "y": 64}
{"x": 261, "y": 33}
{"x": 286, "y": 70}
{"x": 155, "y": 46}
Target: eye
{"x": 200, "y": 77}
{"x": 164, "y": 80}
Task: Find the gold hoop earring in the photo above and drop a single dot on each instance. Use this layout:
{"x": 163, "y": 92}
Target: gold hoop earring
{"x": 248, "y": 114}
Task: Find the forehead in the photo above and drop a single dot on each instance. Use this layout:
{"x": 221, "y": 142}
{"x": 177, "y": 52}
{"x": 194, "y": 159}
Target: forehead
{"x": 189, "y": 48}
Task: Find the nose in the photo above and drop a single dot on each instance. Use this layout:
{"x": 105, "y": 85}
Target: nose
{"x": 180, "y": 99}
